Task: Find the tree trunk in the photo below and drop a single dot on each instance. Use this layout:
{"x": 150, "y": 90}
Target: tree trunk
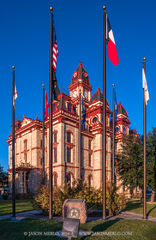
{"x": 152, "y": 196}
{"x": 131, "y": 192}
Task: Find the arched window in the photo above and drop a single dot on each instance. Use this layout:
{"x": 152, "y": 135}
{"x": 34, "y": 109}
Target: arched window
{"x": 25, "y": 144}
{"x": 68, "y": 178}
{"x": 68, "y": 137}
{"x": 25, "y": 150}
{"x": 90, "y": 180}
{"x": 68, "y": 154}
{"x": 55, "y": 137}
{"x": 69, "y": 146}
{"x": 55, "y": 154}
{"x": 55, "y": 179}
{"x": 90, "y": 160}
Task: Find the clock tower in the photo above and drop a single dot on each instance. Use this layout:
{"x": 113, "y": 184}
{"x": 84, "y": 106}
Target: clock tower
{"x": 80, "y": 83}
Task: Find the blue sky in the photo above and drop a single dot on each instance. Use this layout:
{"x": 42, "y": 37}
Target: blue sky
{"x": 24, "y": 42}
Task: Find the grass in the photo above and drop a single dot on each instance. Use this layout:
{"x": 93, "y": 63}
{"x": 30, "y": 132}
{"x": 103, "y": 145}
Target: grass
{"x": 21, "y": 206}
{"x": 144, "y": 230}
{"x": 136, "y": 206}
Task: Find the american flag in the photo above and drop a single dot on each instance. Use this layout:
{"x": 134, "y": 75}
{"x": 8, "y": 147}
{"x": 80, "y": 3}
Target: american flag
{"x": 55, "y": 49}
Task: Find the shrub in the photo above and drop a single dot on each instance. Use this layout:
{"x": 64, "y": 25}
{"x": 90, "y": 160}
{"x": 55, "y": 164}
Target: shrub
{"x": 114, "y": 202}
{"x": 137, "y": 195}
{"x": 81, "y": 190}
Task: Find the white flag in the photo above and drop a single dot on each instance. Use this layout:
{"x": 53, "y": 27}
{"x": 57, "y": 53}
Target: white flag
{"x": 144, "y": 82}
{"x": 15, "y": 96}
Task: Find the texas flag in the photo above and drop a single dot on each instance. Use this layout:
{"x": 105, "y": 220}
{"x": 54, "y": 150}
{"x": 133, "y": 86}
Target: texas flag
{"x": 112, "y": 51}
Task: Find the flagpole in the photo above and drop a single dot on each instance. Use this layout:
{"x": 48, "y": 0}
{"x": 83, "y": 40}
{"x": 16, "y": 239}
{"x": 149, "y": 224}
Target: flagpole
{"x": 51, "y": 121}
{"x": 144, "y": 104}
{"x": 79, "y": 137}
{"x": 13, "y": 143}
{"x": 113, "y": 145}
{"x": 104, "y": 117}
{"x": 43, "y": 139}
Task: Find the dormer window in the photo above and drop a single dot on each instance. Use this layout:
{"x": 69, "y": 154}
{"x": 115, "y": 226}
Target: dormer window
{"x": 124, "y": 130}
{"x": 69, "y": 107}
{"x": 116, "y": 129}
{"x": 94, "y": 120}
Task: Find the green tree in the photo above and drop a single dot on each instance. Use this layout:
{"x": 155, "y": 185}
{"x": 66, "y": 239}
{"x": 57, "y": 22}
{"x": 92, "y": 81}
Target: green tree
{"x": 3, "y": 182}
{"x": 3, "y": 176}
{"x": 129, "y": 162}
{"x": 151, "y": 161}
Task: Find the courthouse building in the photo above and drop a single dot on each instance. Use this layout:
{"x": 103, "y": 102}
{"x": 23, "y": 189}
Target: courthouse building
{"x": 28, "y": 139}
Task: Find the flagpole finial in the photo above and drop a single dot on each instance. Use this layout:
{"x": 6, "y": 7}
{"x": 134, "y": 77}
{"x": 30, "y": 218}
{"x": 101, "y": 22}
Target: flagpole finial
{"x": 51, "y": 9}
{"x": 104, "y": 7}
{"x": 43, "y": 85}
{"x": 113, "y": 84}
{"x": 13, "y": 67}
{"x": 144, "y": 59}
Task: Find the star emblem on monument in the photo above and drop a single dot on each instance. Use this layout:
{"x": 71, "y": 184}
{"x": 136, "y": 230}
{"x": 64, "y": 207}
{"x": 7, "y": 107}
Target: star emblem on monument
{"x": 74, "y": 213}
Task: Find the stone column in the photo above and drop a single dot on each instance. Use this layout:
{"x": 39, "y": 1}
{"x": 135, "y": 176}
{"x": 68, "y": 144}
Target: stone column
{"x": 24, "y": 186}
{"x": 20, "y": 182}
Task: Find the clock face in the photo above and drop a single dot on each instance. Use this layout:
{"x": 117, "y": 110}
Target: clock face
{"x": 74, "y": 93}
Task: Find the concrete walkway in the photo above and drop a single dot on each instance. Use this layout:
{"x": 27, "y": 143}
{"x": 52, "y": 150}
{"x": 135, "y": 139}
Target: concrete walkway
{"x": 135, "y": 216}
{"x": 26, "y": 214}
{"x": 37, "y": 214}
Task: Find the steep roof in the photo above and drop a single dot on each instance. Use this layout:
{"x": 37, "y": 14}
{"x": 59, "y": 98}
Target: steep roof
{"x": 121, "y": 109}
{"x": 80, "y": 73}
{"x": 97, "y": 96}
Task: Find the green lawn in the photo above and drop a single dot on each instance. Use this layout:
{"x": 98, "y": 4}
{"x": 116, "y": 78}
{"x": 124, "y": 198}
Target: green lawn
{"x": 137, "y": 207}
{"x": 21, "y": 206}
{"x": 143, "y": 230}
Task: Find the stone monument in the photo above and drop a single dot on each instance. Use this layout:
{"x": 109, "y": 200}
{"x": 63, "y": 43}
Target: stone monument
{"x": 76, "y": 209}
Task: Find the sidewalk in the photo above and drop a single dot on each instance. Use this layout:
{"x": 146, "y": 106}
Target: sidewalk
{"x": 27, "y": 214}
{"x": 38, "y": 214}
{"x": 135, "y": 216}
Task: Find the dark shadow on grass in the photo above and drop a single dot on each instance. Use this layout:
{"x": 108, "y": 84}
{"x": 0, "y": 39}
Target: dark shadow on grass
{"x": 133, "y": 205}
{"x": 103, "y": 226}
{"x": 151, "y": 210}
